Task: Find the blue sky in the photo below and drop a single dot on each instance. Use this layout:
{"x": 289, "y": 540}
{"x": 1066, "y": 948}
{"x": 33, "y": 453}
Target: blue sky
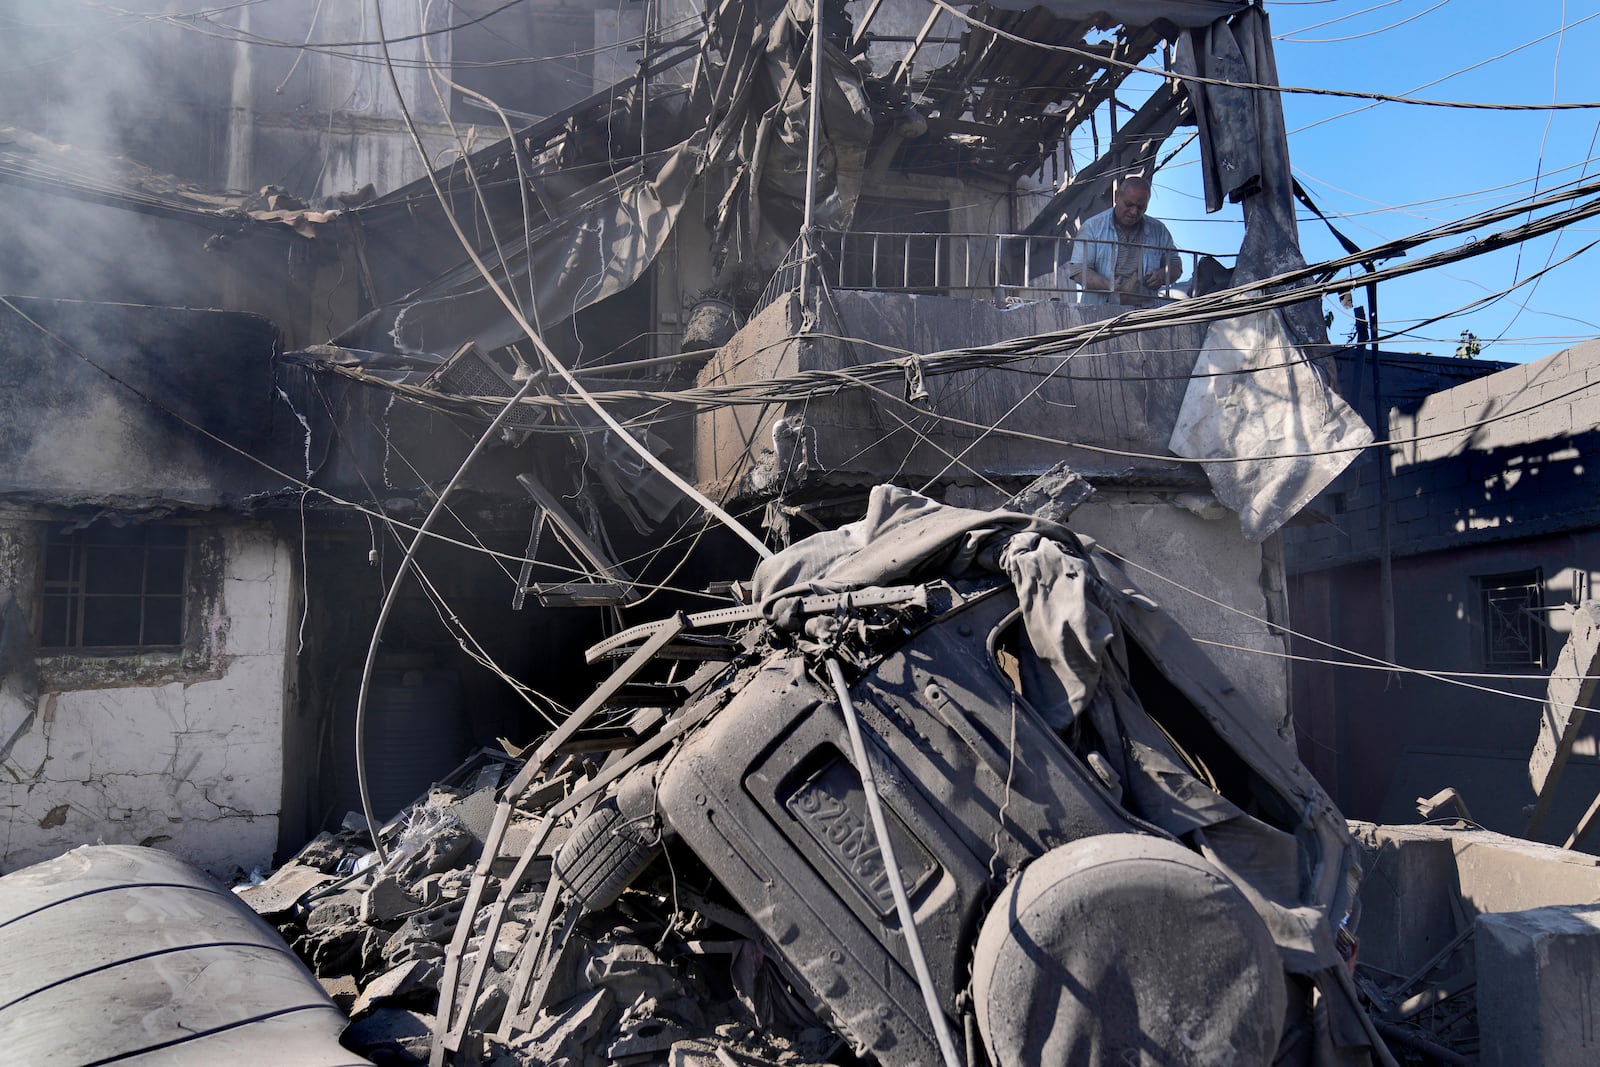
{"x": 1391, "y": 170}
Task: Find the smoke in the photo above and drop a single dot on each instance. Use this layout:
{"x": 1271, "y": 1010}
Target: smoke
{"x": 84, "y": 90}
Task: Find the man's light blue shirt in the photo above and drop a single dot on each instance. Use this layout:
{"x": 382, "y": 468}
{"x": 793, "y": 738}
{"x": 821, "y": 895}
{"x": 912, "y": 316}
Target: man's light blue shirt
{"x": 1096, "y": 247}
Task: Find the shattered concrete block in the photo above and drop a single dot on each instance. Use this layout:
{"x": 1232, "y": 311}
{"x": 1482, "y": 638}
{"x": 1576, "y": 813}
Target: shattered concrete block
{"x": 341, "y": 909}
{"x": 326, "y": 852}
{"x": 342, "y": 989}
{"x": 436, "y": 925}
{"x": 284, "y": 888}
{"x": 392, "y": 1036}
{"x": 1539, "y": 987}
{"x": 398, "y": 983}
{"x": 568, "y": 1032}
{"x": 509, "y": 943}
{"x": 488, "y": 1008}
{"x": 443, "y": 849}
{"x": 386, "y": 901}
{"x": 647, "y": 1037}
{"x": 397, "y": 952}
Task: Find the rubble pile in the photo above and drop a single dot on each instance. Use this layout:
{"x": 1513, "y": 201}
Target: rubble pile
{"x": 650, "y": 978}
{"x": 694, "y": 868}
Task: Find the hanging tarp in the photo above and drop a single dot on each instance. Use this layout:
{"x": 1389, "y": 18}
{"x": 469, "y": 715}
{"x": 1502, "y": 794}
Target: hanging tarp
{"x": 1276, "y": 431}
{"x": 1258, "y": 404}
{"x": 598, "y": 248}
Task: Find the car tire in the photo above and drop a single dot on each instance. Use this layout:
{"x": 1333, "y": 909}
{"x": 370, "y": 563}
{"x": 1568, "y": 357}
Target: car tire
{"x": 1125, "y": 948}
{"x": 603, "y": 856}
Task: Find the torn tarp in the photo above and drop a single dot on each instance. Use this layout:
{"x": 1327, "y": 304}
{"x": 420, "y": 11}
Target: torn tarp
{"x": 598, "y": 247}
{"x": 758, "y": 161}
{"x": 1257, "y": 405}
{"x": 1277, "y": 431}
{"x": 905, "y": 535}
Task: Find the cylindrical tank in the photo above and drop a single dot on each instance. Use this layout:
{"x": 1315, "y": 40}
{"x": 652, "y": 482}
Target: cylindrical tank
{"x": 415, "y": 735}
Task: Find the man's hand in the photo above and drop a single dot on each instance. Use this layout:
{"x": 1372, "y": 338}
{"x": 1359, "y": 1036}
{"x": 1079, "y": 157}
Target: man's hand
{"x": 1157, "y": 278}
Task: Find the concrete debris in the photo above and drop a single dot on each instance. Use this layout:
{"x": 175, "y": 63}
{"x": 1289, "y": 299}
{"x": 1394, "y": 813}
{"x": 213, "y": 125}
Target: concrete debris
{"x": 715, "y": 881}
{"x": 284, "y": 888}
{"x": 567, "y": 1034}
{"x": 392, "y": 1036}
{"x": 385, "y": 900}
{"x": 629, "y": 984}
{"x": 714, "y": 890}
{"x": 398, "y": 983}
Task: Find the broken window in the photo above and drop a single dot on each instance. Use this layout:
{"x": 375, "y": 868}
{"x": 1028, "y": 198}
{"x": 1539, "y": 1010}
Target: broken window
{"x": 1513, "y": 626}
{"x": 531, "y": 59}
{"x": 111, "y": 589}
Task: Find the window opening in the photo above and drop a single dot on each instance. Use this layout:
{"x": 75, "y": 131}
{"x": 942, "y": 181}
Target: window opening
{"x": 109, "y": 588}
{"x": 1513, "y": 627}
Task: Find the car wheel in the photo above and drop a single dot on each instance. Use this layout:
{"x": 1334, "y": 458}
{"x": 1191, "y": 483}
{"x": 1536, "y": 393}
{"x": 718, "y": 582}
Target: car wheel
{"x": 1126, "y": 949}
{"x": 603, "y": 856}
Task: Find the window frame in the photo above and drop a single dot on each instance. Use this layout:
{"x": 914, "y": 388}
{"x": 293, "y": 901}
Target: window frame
{"x": 1512, "y": 595}
{"x": 73, "y": 598}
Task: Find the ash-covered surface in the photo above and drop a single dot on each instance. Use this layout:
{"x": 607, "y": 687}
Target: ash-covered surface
{"x": 1102, "y": 850}
{"x": 651, "y": 978}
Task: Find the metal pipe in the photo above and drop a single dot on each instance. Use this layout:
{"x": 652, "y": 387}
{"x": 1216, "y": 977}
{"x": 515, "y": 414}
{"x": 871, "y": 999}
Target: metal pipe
{"x": 808, "y": 240}
{"x": 1385, "y": 535}
{"x": 388, "y": 605}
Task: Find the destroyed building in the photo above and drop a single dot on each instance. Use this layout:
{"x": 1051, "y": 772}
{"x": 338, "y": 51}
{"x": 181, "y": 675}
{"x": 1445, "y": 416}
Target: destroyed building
{"x": 1470, "y": 553}
{"x": 477, "y": 350}
{"x": 656, "y": 208}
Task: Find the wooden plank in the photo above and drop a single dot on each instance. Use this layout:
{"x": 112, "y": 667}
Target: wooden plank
{"x": 1571, "y": 692}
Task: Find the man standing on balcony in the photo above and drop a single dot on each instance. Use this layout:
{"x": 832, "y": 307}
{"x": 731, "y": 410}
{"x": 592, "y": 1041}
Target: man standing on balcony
{"x": 1125, "y": 256}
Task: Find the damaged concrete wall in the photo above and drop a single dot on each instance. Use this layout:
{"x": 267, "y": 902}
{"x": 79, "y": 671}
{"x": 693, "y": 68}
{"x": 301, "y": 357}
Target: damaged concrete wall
{"x": 1219, "y": 587}
{"x": 1516, "y": 468}
{"x": 182, "y": 750}
{"x": 1507, "y": 504}
{"x": 1121, "y": 394}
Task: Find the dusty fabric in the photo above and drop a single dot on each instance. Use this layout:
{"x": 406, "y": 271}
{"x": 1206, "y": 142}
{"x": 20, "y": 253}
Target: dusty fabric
{"x": 1256, "y": 399}
{"x": 1256, "y": 392}
{"x": 1226, "y": 116}
{"x": 907, "y": 537}
{"x": 757, "y": 166}
{"x": 598, "y": 248}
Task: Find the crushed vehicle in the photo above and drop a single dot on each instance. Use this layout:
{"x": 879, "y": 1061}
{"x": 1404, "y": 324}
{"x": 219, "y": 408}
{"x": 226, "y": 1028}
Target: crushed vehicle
{"x": 1104, "y": 854}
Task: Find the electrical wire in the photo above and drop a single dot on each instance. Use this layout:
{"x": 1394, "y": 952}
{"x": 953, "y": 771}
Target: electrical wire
{"x": 387, "y": 606}
{"x": 1459, "y": 679}
{"x": 543, "y": 349}
{"x": 1360, "y": 36}
{"x": 1349, "y": 94}
{"x": 1347, "y": 16}
{"x": 1281, "y": 290}
{"x": 1455, "y": 73}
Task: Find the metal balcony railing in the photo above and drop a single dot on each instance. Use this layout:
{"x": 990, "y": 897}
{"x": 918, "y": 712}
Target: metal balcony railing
{"x": 981, "y": 265}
